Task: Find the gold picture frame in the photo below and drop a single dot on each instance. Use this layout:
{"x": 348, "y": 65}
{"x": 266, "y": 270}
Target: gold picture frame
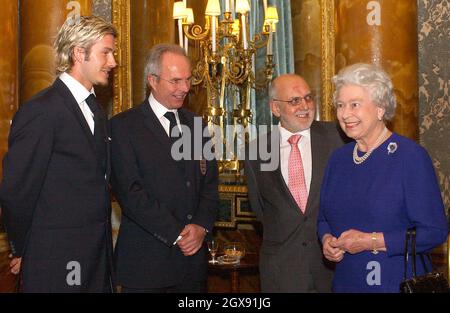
{"x": 234, "y": 206}
{"x": 226, "y": 217}
{"x": 122, "y": 86}
{"x": 328, "y": 15}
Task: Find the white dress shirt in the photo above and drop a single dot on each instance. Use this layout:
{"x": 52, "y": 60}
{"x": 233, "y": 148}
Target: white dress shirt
{"x": 159, "y": 111}
{"x": 304, "y": 145}
{"x": 80, "y": 93}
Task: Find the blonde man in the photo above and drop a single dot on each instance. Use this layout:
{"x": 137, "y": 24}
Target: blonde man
{"x": 54, "y": 191}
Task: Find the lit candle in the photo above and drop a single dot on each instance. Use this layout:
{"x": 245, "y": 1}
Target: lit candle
{"x": 190, "y": 16}
{"x": 242, "y": 6}
{"x": 189, "y": 20}
{"x": 213, "y": 10}
{"x": 222, "y": 87}
{"x": 213, "y": 34}
{"x": 244, "y": 32}
{"x": 227, "y": 6}
{"x": 179, "y": 13}
{"x": 271, "y": 20}
{"x": 270, "y": 42}
{"x": 180, "y": 32}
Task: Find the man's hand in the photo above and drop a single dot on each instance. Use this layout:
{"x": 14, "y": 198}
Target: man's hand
{"x": 192, "y": 241}
{"x": 354, "y": 241}
{"x": 330, "y": 250}
{"x": 14, "y": 265}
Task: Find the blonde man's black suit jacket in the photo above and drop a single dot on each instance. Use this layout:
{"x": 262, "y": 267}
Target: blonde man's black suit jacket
{"x": 55, "y": 197}
{"x": 158, "y": 196}
{"x": 291, "y": 257}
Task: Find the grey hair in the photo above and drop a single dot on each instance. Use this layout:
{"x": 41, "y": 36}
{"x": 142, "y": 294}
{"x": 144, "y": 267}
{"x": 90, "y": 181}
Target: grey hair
{"x": 153, "y": 62}
{"x": 83, "y": 32}
{"x": 372, "y": 78}
{"x": 273, "y": 90}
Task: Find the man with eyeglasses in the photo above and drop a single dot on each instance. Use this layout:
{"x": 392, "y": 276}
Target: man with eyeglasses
{"x": 286, "y": 200}
{"x": 168, "y": 205}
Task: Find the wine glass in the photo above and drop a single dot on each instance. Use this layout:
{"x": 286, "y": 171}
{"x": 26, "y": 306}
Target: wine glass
{"x": 213, "y": 246}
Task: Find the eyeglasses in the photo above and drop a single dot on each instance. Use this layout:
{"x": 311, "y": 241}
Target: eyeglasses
{"x": 309, "y": 98}
{"x": 177, "y": 81}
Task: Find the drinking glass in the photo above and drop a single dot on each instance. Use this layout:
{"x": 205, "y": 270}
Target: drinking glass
{"x": 234, "y": 251}
{"x": 213, "y": 246}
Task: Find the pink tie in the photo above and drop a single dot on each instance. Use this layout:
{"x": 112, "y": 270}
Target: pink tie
{"x": 297, "y": 184}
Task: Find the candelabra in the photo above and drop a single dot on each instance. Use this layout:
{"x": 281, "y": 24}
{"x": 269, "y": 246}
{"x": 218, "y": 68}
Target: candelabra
{"x": 225, "y": 65}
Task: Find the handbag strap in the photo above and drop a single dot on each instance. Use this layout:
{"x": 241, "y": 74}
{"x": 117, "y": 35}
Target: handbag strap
{"x": 413, "y": 247}
{"x": 424, "y": 263}
{"x": 410, "y": 237}
{"x": 405, "y": 256}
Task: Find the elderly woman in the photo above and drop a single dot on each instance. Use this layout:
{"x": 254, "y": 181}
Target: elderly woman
{"x": 374, "y": 189}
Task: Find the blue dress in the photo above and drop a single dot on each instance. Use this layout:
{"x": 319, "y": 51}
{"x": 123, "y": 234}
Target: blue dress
{"x": 392, "y": 190}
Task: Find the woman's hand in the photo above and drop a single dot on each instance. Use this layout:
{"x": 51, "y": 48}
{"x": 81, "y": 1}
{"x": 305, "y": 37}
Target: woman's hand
{"x": 330, "y": 250}
{"x": 354, "y": 241}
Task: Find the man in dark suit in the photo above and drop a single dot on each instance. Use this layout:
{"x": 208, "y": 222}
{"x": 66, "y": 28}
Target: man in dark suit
{"x": 284, "y": 191}
{"x": 168, "y": 204}
{"x": 54, "y": 191}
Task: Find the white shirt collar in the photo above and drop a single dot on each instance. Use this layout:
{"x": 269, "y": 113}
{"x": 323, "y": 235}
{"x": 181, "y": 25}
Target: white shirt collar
{"x": 158, "y": 108}
{"x": 286, "y": 134}
{"x": 79, "y": 92}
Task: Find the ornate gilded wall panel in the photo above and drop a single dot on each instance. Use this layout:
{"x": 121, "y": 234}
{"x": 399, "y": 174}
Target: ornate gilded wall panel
{"x": 151, "y": 23}
{"x": 9, "y": 81}
{"x": 102, "y": 8}
{"x": 383, "y": 33}
{"x": 122, "y": 88}
{"x": 197, "y": 97}
{"x": 434, "y": 83}
{"x": 306, "y": 28}
{"x": 141, "y": 25}
{"x": 9, "y": 76}
{"x": 314, "y": 49}
{"x": 328, "y": 21}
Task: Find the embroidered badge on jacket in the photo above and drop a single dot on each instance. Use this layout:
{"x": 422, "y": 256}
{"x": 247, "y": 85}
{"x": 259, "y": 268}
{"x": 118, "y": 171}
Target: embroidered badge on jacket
{"x": 203, "y": 166}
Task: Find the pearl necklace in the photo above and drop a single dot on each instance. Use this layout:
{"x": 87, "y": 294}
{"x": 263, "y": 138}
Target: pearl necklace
{"x": 358, "y": 160}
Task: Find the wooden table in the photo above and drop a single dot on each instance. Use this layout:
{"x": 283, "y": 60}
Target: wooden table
{"x": 250, "y": 261}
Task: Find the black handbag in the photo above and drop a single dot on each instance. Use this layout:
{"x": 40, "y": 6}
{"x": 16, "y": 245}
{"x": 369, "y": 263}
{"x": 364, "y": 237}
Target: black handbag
{"x": 432, "y": 282}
